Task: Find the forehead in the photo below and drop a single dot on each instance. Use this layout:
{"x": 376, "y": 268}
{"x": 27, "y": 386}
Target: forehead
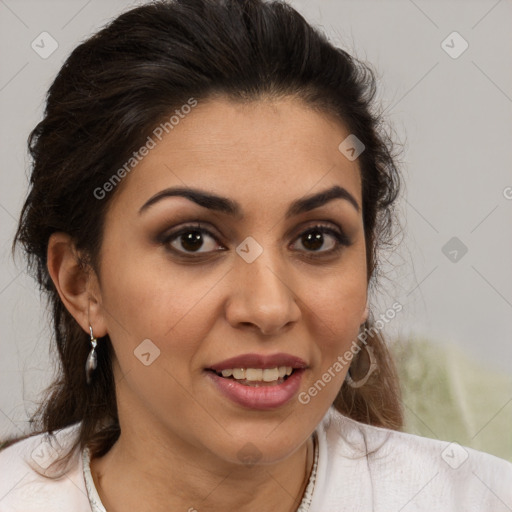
{"x": 262, "y": 150}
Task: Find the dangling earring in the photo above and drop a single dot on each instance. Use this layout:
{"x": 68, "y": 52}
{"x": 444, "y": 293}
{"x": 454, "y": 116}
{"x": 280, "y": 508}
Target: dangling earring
{"x": 372, "y": 367}
{"x": 92, "y": 359}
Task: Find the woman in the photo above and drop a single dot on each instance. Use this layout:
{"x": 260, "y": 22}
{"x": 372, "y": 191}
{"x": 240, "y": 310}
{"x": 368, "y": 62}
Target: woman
{"x": 209, "y": 190}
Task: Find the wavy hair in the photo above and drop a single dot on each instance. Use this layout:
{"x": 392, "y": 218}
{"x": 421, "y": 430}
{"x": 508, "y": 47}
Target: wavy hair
{"x": 112, "y": 90}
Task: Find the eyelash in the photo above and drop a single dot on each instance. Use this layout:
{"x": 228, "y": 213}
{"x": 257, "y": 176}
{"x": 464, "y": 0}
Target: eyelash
{"x": 341, "y": 240}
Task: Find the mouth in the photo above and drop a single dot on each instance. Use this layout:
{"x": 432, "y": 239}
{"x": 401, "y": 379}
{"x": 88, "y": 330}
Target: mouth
{"x": 257, "y": 377}
{"x": 256, "y": 381}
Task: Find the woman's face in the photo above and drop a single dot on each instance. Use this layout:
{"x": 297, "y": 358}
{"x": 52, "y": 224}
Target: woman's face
{"x": 178, "y": 300}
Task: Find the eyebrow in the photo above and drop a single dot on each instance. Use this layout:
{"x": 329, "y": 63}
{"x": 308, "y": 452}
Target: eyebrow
{"x": 232, "y": 208}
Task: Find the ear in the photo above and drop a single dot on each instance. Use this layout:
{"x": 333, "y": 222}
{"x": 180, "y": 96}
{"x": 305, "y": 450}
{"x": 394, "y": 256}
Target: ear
{"x": 365, "y": 315}
{"x": 78, "y": 288}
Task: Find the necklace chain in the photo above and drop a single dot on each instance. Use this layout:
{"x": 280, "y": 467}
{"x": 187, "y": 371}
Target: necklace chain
{"x": 311, "y": 461}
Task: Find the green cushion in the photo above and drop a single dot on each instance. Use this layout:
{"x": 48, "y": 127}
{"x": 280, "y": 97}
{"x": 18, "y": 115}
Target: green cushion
{"x": 450, "y": 396}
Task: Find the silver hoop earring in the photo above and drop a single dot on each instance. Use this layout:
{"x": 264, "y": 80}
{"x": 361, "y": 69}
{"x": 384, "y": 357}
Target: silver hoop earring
{"x": 371, "y": 369}
{"x": 92, "y": 359}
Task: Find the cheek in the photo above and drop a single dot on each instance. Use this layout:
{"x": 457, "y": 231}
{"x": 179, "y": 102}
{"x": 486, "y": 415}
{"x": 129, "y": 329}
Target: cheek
{"x": 339, "y": 303}
{"x": 146, "y": 297}
{"x": 338, "y": 325}
{"x": 337, "y": 310}
{"x": 154, "y": 322}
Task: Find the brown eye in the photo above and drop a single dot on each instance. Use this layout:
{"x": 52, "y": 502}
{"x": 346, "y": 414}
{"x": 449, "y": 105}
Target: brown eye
{"x": 313, "y": 239}
{"x": 191, "y": 239}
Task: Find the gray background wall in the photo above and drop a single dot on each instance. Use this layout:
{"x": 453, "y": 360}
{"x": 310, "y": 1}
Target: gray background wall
{"x": 453, "y": 115}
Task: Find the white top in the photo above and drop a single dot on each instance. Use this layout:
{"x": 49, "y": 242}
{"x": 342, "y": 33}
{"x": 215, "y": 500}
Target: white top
{"x": 401, "y": 473}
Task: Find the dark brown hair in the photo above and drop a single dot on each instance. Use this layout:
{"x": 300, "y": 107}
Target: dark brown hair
{"x": 110, "y": 94}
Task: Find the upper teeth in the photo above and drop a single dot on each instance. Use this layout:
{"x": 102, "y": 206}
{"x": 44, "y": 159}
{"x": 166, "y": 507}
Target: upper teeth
{"x": 257, "y": 374}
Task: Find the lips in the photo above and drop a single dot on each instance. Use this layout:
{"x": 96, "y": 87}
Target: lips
{"x": 260, "y": 397}
{"x": 259, "y": 361}
{"x": 252, "y": 393}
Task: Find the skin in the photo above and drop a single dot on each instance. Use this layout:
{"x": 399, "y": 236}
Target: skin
{"x": 180, "y": 437}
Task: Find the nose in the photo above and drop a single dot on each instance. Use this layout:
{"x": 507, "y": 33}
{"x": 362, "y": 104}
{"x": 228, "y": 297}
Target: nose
{"x": 262, "y": 296}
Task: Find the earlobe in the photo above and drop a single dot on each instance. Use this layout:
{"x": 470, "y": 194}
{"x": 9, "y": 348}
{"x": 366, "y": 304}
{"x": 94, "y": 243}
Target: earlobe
{"x": 74, "y": 284}
{"x": 365, "y": 315}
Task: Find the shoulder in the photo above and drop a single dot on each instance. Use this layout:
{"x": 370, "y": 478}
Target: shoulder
{"x": 397, "y": 469}
{"x": 29, "y": 482}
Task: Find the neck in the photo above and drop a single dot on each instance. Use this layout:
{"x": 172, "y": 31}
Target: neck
{"x": 126, "y": 478}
